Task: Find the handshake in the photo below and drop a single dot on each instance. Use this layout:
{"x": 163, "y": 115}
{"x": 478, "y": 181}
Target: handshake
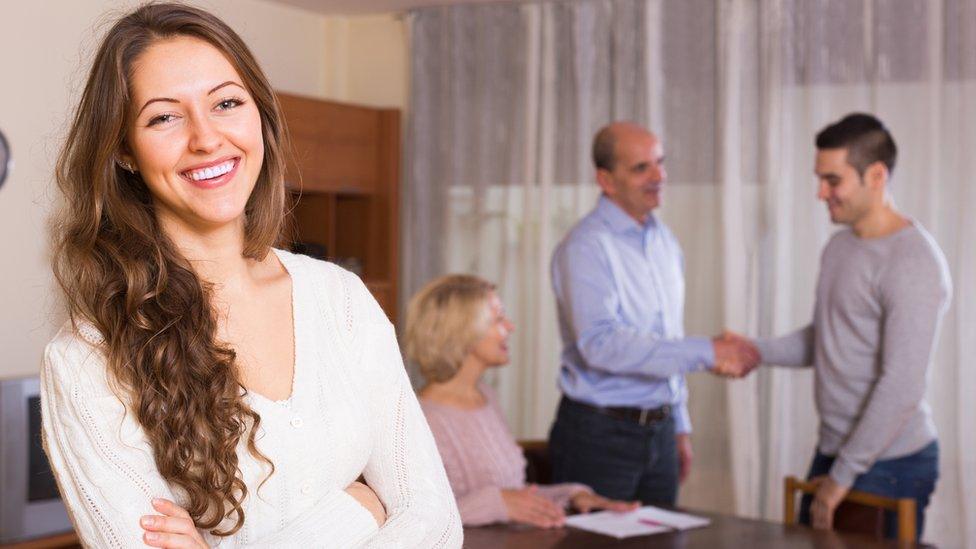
{"x": 735, "y": 355}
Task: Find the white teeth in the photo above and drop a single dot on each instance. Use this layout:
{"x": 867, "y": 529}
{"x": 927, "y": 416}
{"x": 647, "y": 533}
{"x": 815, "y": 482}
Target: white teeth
{"x": 212, "y": 172}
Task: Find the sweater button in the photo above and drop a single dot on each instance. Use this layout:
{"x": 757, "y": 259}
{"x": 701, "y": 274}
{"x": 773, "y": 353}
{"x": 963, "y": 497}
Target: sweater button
{"x": 307, "y": 488}
{"x": 296, "y": 422}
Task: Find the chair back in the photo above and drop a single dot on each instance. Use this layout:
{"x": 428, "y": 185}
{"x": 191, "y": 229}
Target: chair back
{"x": 859, "y": 512}
{"x": 538, "y": 466}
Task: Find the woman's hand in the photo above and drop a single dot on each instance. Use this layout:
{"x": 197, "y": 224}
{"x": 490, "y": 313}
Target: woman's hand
{"x": 174, "y": 529}
{"x": 368, "y": 499}
{"x": 528, "y": 507}
{"x": 585, "y": 501}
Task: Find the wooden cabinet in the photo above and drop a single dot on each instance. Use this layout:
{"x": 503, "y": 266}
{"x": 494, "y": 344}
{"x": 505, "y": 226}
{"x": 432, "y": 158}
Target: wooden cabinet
{"x": 343, "y": 178}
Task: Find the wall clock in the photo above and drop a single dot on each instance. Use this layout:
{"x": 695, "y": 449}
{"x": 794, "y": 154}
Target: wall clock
{"x": 6, "y": 162}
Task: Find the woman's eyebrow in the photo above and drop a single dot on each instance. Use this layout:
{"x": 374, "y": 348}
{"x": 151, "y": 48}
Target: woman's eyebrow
{"x": 227, "y": 83}
{"x": 157, "y": 99}
{"x": 171, "y": 100}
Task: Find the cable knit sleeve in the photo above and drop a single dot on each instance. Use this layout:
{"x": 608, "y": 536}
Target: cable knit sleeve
{"x": 478, "y": 506}
{"x": 100, "y": 456}
{"x": 337, "y": 516}
{"x": 482, "y": 506}
{"x": 105, "y": 468}
{"x": 404, "y": 468}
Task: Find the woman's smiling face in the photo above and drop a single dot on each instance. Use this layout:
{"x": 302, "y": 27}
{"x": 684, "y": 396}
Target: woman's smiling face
{"x": 194, "y": 134}
{"x": 492, "y": 348}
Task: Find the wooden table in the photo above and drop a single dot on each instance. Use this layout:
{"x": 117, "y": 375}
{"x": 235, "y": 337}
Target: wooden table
{"x": 723, "y": 532}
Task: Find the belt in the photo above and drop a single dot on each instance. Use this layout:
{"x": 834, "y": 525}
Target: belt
{"x": 640, "y": 416}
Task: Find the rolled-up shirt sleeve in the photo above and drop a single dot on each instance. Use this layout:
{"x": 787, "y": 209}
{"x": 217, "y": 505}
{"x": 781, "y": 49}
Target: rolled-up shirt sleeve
{"x": 586, "y": 291}
{"x": 682, "y": 419}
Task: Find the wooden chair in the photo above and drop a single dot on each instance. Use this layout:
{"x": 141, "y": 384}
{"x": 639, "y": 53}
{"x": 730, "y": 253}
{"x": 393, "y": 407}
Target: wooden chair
{"x": 538, "y": 466}
{"x": 859, "y": 512}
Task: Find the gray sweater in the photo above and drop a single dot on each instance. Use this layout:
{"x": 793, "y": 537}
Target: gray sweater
{"x": 879, "y": 305}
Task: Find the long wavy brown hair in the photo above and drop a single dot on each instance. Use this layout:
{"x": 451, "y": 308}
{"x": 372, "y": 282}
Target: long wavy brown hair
{"x": 121, "y": 273}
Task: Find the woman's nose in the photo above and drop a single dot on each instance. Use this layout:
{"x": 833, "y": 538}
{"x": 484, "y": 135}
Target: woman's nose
{"x": 204, "y": 135}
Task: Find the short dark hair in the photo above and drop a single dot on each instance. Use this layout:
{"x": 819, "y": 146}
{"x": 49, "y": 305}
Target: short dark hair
{"x": 603, "y": 144}
{"x": 866, "y": 139}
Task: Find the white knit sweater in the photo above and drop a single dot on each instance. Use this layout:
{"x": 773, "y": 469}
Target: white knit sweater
{"x": 352, "y": 412}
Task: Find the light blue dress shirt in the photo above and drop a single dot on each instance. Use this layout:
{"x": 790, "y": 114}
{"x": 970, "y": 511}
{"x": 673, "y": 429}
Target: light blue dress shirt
{"x": 620, "y": 293}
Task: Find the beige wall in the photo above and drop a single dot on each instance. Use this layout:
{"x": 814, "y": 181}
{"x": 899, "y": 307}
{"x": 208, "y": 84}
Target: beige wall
{"x": 44, "y": 51}
{"x": 369, "y": 57}
{"x": 379, "y": 57}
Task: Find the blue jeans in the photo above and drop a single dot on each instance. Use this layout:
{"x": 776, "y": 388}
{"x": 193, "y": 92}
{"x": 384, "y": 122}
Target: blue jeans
{"x": 911, "y": 476}
{"x": 617, "y": 458}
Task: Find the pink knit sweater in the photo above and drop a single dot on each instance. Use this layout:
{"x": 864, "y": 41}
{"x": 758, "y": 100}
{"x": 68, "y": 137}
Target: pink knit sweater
{"x": 482, "y": 459}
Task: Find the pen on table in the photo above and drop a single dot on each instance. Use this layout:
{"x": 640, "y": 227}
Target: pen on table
{"x": 651, "y": 522}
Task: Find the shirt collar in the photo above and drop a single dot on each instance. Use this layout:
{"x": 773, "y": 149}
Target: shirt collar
{"x": 618, "y": 220}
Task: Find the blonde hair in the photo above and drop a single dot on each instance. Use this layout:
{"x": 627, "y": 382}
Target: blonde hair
{"x": 444, "y": 319}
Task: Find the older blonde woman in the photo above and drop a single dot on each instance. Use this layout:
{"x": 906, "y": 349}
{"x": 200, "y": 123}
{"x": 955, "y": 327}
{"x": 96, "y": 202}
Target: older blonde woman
{"x": 457, "y": 330}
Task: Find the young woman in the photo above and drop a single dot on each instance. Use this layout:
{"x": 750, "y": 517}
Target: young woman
{"x": 456, "y": 331}
{"x": 209, "y": 388}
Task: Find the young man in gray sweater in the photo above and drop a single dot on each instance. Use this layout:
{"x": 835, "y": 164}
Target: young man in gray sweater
{"x": 883, "y": 289}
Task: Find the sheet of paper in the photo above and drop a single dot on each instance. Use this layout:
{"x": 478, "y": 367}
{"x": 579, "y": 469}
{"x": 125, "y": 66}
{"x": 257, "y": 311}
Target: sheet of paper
{"x": 644, "y": 521}
{"x": 674, "y": 519}
{"x": 618, "y": 525}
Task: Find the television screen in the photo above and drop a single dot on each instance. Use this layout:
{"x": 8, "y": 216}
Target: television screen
{"x": 30, "y": 506}
{"x": 40, "y": 483}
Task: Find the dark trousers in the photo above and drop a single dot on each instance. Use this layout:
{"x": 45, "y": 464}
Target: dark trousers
{"x": 618, "y": 458}
{"x": 911, "y": 476}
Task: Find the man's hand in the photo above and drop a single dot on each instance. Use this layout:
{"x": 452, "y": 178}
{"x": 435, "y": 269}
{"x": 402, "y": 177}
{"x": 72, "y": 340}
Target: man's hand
{"x": 685, "y": 455}
{"x": 828, "y": 497}
{"x": 528, "y": 507}
{"x": 735, "y": 355}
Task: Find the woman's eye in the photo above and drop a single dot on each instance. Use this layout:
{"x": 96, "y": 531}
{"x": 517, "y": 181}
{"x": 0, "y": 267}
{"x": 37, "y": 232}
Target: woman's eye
{"x": 227, "y": 104}
{"x": 161, "y": 119}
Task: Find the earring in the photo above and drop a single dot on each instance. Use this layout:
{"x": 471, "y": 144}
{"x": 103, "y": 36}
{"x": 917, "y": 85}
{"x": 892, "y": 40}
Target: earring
{"x": 125, "y": 166}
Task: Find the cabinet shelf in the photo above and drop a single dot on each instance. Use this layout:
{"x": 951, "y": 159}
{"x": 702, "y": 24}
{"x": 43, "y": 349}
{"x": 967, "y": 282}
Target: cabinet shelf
{"x": 343, "y": 179}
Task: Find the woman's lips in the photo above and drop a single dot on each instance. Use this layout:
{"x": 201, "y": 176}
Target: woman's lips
{"x": 213, "y": 176}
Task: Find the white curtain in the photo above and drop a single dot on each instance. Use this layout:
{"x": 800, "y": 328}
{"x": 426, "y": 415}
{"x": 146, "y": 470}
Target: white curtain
{"x": 505, "y": 99}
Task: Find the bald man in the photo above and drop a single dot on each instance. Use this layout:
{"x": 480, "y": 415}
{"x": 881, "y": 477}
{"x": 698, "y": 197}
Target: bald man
{"x": 622, "y": 426}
